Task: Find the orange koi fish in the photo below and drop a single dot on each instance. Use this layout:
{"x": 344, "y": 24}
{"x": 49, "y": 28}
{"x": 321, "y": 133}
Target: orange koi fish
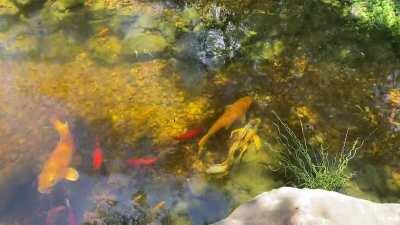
{"x": 97, "y": 156}
{"x": 190, "y": 134}
{"x": 142, "y": 161}
{"x": 232, "y": 113}
{"x": 57, "y": 166}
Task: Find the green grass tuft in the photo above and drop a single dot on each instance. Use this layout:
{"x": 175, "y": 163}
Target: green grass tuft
{"x": 310, "y": 168}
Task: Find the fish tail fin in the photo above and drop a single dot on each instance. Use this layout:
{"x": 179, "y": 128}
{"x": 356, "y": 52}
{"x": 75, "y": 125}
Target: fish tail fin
{"x": 203, "y": 141}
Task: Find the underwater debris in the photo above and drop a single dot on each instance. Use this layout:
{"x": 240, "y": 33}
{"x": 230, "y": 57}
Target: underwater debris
{"x": 299, "y": 66}
{"x": 242, "y": 140}
{"x": 310, "y": 168}
{"x": 271, "y": 50}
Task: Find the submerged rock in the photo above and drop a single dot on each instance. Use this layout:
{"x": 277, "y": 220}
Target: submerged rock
{"x": 59, "y": 46}
{"x": 16, "y": 42}
{"x": 63, "y": 5}
{"x": 24, "y": 3}
{"x": 107, "y": 49}
{"x": 62, "y": 13}
{"x": 144, "y": 44}
{"x": 312, "y": 207}
{"x": 7, "y": 8}
{"x": 387, "y": 99}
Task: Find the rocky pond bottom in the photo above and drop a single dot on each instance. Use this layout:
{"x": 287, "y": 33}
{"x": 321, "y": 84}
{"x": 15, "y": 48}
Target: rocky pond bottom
{"x": 179, "y": 112}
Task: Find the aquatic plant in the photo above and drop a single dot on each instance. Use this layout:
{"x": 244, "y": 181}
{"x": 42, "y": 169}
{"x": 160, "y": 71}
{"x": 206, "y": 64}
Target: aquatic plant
{"x": 377, "y": 13}
{"x": 311, "y": 168}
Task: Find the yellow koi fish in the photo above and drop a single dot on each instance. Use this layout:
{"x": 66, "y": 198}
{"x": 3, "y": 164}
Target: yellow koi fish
{"x": 57, "y": 167}
{"x": 232, "y": 113}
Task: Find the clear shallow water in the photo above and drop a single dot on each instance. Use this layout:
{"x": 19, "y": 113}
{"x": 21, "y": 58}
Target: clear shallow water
{"x": 137, "y": 75}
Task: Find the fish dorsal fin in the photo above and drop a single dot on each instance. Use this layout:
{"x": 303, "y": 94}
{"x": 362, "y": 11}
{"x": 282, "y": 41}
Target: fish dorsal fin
{"x": 71, "y": 174}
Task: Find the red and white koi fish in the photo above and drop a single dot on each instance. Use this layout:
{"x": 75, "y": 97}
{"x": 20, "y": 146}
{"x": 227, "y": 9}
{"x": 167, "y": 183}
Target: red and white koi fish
{"x": 190, "y": 134}
{"x": 142, "y": 161}
{"x": 97, "y": 156}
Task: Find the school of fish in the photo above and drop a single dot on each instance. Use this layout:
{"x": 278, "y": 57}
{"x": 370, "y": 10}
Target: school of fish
{"x": 57, "y": 167}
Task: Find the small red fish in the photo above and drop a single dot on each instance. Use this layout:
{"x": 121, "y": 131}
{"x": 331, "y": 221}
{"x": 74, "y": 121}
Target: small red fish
{"x": 97, "y": 156}
{"x": 190, "y": 134}
{"x": 71, "y": 214}
{"x": 142, "y": 161}
{"x": 53, "y": 213}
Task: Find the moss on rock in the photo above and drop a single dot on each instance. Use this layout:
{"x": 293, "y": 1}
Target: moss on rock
{"x": 58, "y": 46}
{"x": 62, "y": 5}
{"x": 144, "y": 44}
{"x": 7, "y": 8}
{"x": 107, "y": 49}
{"x": 20, "y": 45}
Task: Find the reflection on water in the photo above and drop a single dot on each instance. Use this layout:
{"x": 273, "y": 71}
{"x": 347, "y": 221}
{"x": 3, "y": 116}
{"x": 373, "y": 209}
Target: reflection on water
{"x": 147, "y": 79}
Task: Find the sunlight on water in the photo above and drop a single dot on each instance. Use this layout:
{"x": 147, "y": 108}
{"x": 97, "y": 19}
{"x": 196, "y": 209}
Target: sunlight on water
{"x": 135, "y": 85}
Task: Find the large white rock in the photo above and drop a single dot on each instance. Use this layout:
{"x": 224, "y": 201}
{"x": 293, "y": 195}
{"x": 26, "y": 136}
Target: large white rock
{"x": 292, "y": 206}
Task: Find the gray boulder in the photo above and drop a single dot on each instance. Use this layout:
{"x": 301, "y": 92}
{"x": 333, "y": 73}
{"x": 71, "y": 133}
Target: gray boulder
{"x": 292, "y": 206}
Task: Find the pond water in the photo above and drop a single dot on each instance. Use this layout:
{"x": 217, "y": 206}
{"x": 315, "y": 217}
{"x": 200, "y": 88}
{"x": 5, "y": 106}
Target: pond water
{"x": 135, "y": 85}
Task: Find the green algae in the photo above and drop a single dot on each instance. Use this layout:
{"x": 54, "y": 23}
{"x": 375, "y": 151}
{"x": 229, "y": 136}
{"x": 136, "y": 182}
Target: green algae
{"x": 8, "y": 8}
{"x": 243, "y": 187}
{"x": 63, "y": 5}
{"x": 378, "y": 14}
{"x": 59, "y": 47}
{"x": 144, "y": 44}
{"x": 107, "y": 49}
{"x": 22, "y": 45}
{"x": 136, "y": 101}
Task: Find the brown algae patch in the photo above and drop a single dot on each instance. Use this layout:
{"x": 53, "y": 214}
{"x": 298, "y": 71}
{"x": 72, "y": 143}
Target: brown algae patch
{"x": 134, "y": 101}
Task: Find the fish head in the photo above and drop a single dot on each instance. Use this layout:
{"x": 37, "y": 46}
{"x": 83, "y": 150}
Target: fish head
{"x": 245, "y": 102}
{"x": 46, "y": 181}
{"x": 61, "y": 127}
